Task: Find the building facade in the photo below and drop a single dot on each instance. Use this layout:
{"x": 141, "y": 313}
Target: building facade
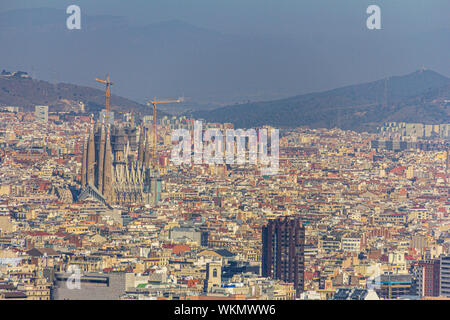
{"x": 428, "y": 278}
{"x": 395, "y": 286}
{"x": 283, "y": 243}
{"x": 41, "y": 113}
{"x": 116, "y": 165}
{"x": 444, "y": 276}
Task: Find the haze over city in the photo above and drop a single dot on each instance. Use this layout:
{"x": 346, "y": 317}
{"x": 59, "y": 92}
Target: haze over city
{"x": 207, "y": 151}
{"x": 224, "y": 52}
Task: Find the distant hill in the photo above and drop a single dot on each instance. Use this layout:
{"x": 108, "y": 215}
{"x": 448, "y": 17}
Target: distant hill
{"x": 26, "y": 92}
{"x": 214, "y": 66}
{"x": 416, "y": 97}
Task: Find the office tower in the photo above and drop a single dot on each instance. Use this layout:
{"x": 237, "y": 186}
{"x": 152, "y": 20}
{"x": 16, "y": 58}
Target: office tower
{"x": 444, "y": 276}
{"x": 428, "y": 278}
{"x": 41, "y": 113}
{"x": 283, "y": 243}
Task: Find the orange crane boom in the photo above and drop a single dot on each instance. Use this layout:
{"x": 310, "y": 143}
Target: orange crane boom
{"x": 154, "y": 102}
{"x": 108, "y": 85}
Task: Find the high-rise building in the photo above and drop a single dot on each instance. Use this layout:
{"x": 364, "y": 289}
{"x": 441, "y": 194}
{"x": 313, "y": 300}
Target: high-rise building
{"x": 283, "y": 243}
{"x": 41, "y": 113}
{"x": 428, "y": 278}
{"x": 444, "y": 276}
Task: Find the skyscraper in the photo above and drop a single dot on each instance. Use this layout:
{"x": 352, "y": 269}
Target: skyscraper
{"x": 428, "y": 278}
{"x": 444, "y": 275}
{"x": 283, "y": 243}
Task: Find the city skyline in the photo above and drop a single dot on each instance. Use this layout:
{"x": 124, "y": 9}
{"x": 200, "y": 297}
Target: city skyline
{"x": 223, "y": 158}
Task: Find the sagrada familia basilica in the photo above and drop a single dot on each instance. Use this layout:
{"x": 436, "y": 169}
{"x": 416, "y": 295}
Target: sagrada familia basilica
{"x": 116, "y": 165}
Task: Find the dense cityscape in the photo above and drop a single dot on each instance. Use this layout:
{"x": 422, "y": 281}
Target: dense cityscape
{"x": 345, "y": 217}
{"x": 224, "y": 159}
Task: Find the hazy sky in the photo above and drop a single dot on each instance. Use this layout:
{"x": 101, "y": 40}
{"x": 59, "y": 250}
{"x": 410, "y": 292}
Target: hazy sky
{"x": 277, "y": 17}
{"x": 311, "y": 45}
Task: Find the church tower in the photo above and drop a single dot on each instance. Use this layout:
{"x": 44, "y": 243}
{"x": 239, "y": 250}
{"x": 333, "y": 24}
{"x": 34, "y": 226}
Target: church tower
{"x": 141, "y": 145}
{"x": 147, "y": 151}
{"x": 111, "y": 168}
{"x": 90, "y": 175}
{"x": 84, "y": 161}
{"x": 101, "y": 158}
{"x": 108, "y": 170}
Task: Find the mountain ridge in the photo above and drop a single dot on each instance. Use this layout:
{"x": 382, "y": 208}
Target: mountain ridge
{"x": 357, "y": 107}
{"x": 27, "y": 92}
{"x": 212, "y": 66}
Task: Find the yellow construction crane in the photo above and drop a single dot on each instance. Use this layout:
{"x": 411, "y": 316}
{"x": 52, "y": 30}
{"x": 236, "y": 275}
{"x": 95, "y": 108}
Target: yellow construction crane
{"x": 154, "y": 102}
{"x": 108, "y": 84}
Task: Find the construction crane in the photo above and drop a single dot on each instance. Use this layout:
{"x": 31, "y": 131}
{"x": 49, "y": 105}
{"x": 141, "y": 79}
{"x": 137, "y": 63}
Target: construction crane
{"x": 154, "y": 102}
{"x": 108, "y": 85}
